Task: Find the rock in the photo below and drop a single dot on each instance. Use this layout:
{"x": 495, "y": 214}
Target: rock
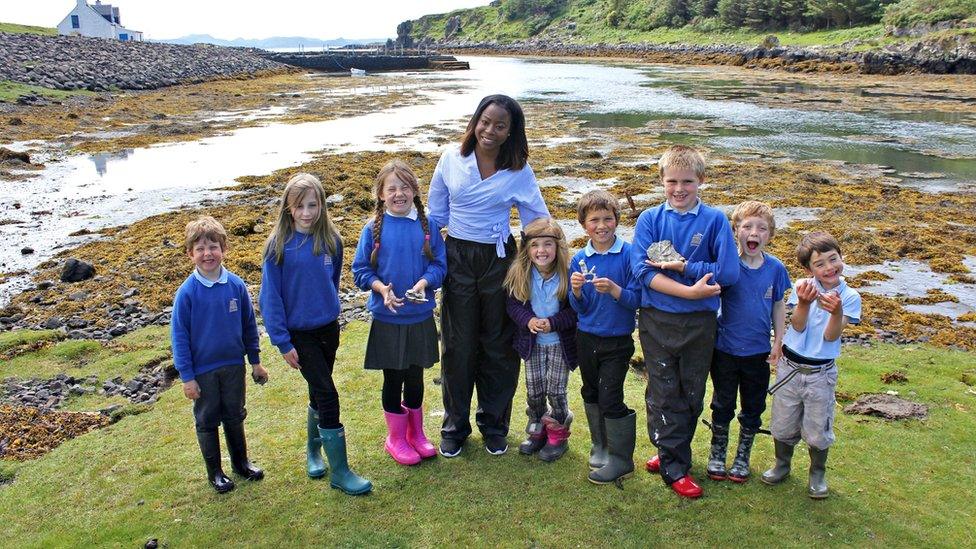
{"x": 15, "y": 121}
{"x": 53, "y": 323}
{"x": 76, "y": 270}
{"x": 78, "y": 296}
{"x": 75, "y": 323}
{"x": 26, "y": 250}
{"x": 45, "y": 284}
{"x": 130, "y": 292}
{"x": 7, "y": 155}
{"x": 888, "y": 407}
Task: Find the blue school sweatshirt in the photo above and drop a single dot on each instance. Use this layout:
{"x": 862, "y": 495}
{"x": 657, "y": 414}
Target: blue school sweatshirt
{"x": 601, "y": 314}
{"x": 302, "y": 292}
{"x": 212, "y": 326}
{"x": 401, "y": 260}
{"x": 703, "y": 236}
{"x": 746, "y": 318}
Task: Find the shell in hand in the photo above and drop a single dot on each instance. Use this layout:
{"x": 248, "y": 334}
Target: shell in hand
{"x": 663, "y": 252}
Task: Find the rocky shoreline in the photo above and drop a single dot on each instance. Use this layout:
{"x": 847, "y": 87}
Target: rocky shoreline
{"x": 96, "y": 64}
{"x": 950, "y": 55}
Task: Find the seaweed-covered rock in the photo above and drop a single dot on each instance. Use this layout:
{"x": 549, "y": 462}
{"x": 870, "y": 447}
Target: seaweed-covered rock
{"x": 76, "y": 270}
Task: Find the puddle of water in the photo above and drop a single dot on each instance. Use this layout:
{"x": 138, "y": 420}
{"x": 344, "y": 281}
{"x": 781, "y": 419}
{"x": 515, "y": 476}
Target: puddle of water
{"x": 915, "y": 279}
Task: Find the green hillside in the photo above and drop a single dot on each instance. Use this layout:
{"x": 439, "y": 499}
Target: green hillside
{"x": 795, "y": 22}
{"x": 14, "y": 28}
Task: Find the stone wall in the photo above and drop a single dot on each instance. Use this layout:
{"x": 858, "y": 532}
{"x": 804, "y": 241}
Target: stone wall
{"x": 71, "y": 62}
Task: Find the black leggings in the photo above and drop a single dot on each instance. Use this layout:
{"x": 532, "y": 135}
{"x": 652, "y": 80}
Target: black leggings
{"x": 316, "y": 356}
{"x": 409, "y": 383}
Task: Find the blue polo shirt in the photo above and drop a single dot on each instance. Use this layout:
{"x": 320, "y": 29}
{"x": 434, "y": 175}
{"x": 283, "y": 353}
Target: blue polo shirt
{"x": 545, "y": 303}
{"x": 745, "y": 319}
{"x": 810, "y": 342}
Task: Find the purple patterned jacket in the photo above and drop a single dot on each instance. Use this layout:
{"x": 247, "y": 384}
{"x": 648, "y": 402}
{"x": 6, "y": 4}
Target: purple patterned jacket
{"x": 563, "y": 323}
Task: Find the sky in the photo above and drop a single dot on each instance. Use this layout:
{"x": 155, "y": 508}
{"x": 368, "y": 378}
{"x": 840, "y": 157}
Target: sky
{"x": 229, "y": 19}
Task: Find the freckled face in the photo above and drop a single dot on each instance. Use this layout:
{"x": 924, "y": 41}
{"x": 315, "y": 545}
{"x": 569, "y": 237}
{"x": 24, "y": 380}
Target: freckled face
{"x": 601, "y": 227}
{"x": 493, "y": 128}
{"x": 826, "y": 268}
{"x": 396, "y": 195}
{"x": 753, "y": 235}
{"x": 542, "y": 252}
{"x": 306, "y": 212}
{"x": 681, "y": 188}
{"x": 207, "y": 255}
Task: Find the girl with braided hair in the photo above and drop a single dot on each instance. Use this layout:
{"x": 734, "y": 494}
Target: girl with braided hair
{"x": 400, "y": 252}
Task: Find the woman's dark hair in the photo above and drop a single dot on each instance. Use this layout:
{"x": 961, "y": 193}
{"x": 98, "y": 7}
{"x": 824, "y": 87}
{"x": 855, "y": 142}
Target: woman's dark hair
{"x": 515, "y": 150}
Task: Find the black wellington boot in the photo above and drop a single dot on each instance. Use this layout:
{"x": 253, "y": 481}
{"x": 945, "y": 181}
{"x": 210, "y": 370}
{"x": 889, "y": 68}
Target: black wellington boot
{"x": 210, "y": 448}
{"x": 598, "y": 436}
{"x": 237, "y": 447}
{"x": 739, "y": 472}
{"x": 779, "y": 472}
{"x": 716, "y": 457}
{"x": 817, "y": 489}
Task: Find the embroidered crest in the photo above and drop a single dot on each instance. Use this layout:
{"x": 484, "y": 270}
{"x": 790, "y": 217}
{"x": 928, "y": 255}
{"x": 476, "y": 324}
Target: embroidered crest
{"x": 769, "y": 293}
{"x": 328, "y": 260}
{"x": 232, "y": 308}
{"x": 696, "y": 240}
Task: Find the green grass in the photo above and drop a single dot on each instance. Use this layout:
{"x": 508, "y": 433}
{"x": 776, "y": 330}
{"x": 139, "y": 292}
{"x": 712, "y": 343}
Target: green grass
{"x": 10, "y": 91}
{"x": 10, "y": 341}
{"x": 14, "y": 28}
{"x": 893, "y": 484}
{"x": 80, "y": 358}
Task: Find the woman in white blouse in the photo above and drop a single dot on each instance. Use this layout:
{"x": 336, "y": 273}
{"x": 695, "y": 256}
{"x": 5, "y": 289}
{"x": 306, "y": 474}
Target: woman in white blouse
{"x": 472, "y": 193}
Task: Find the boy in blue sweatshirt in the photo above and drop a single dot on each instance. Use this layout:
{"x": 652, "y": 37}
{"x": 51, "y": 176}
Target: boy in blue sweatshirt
{"x": 605, "y": 298}
{"x": 679, "y": 301}
{"x": 213, "y": 328}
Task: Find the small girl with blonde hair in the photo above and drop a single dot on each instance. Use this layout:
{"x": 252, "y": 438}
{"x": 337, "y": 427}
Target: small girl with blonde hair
{"x": 401, "y": 258}
{"x": 300, "y": 305}
{"x": 537, "y": 284}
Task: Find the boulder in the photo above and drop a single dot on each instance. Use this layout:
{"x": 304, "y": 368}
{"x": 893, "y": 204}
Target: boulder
{"x": 76, "y": 270}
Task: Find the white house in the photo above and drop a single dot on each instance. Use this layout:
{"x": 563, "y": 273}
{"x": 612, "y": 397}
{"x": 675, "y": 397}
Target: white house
{"x": 98, "y": 20}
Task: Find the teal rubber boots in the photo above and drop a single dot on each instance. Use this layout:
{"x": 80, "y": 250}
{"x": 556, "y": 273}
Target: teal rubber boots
{"x": 334, "y": 442}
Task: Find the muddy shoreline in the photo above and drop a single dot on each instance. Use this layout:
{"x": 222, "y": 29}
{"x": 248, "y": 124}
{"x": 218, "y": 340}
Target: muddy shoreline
{"x": 139, "y": 265}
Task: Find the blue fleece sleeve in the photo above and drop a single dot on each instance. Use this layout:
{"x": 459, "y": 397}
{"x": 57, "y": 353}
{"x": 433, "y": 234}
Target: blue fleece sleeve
{"x": 630, "y": 292}
{"x": 363, "y": 273}
{"x": 272, "y": 306}
{"x": 437, "y": 269}
{"x": 252, "y": 343}
{"x": 180, "y": 335}
{"x": 725, "y": 268}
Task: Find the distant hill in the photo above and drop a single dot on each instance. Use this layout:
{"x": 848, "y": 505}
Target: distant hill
{"x": 268, "y": 43}
{"x": 14, "y": 28}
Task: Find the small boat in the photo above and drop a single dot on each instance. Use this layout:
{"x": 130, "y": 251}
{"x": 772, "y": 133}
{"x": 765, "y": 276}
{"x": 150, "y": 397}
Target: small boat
{"x": 357, "y": 72}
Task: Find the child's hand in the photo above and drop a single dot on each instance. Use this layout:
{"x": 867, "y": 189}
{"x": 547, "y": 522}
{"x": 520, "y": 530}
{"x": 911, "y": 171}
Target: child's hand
{"x": 604, "y": 285}
{"x": 421, "y": 286}
{"x": 390, "y": 300}
{"x": 291, "y": 357}
{"x": 806, "y": 291}
{"x": 676, "y": 266}
{"x": 191, "y": 389}
{"x": 259, "y": 374}
{"x": 576, "y": 281}
{"x": 534, "y": 325}
{"x": 703, "y": 289}
{"x": 544, "y": 325}
{"x": 774, "y": 355}
{"x": 831, "y": 303}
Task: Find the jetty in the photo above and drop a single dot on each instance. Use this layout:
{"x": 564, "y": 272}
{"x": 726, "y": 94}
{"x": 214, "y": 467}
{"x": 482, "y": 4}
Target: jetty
{"x": 367, "y": 60}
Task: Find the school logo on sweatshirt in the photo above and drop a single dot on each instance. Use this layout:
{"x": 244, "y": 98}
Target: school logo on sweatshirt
{"x": 232, "y": 306}
{"x": 327, "y": 261}
{"x": 769, "y": 292}
{"x": 696, "y": 240}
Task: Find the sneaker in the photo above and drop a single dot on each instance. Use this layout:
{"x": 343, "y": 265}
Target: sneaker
{"x": 496, "y": 445}
{"x": 450, "y": 447}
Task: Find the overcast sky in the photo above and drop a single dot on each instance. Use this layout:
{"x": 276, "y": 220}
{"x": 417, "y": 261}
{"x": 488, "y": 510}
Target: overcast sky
{"x": 231, "y": 19}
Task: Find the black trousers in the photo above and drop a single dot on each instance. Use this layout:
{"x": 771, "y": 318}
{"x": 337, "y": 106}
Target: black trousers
{"x": 407, "y": 383}
{"x": 677, "y": 354}
{"x": 476, "y": 340}
{"x": 603, "y": 364}
{"x": 749, "y": 375}
{"x": 221, "y": 398}
{"x": 316, "y": 356}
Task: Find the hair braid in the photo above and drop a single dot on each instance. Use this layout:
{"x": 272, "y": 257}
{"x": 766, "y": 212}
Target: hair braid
{"x": 425, "y": 225}
{"x": 377, "y": 231}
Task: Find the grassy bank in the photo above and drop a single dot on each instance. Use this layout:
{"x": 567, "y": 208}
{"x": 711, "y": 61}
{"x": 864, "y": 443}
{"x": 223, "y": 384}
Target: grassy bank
{"x": 893, "y": 483}
{"x": 14, "y": 28}
{"x": 10, "y": 91}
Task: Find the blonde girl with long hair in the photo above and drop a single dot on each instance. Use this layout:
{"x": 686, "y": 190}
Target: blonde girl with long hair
{"x": 300, "y": 305}
{"x": 401, "y": 258}
{"x": 538, "y": 287}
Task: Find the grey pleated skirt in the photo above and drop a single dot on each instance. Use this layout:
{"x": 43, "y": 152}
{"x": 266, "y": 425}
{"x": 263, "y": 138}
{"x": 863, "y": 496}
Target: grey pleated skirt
{"x": 399, "y": 346}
